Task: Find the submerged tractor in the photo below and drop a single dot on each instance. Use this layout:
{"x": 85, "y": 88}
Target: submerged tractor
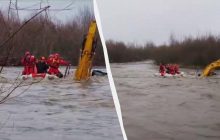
{"x": 208, "y": 71}
{"x": 83, "y": 71}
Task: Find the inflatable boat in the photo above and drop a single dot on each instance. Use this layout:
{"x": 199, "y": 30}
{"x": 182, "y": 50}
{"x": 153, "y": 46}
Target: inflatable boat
{"x": 39, "y": 76}
{"x": 181, "y": 74}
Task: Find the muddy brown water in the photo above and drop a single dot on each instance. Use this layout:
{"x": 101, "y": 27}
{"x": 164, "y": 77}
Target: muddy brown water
{"x": 59, "y": 110}
{"x": 155, "y": 108}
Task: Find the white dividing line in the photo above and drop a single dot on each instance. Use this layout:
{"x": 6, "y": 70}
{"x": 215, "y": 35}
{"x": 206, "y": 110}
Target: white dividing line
{"x": 111, "y": 81}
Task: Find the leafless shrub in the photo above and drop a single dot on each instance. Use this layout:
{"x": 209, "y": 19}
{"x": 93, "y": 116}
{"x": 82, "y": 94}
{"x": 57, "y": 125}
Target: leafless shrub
{"x": 42, "y": 37}
{"x": 198, "y": 51}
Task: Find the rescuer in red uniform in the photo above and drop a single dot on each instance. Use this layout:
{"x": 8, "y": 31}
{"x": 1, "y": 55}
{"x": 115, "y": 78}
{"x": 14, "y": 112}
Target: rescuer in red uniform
{"x": 29, "y": 63}
{"x": 172, "y": 69}
{"x": 32, "y": 65}
{"x": 162, "y": 69}
{"x": 176, "y": 69}
{"x": 25, "y": 61}
{"x": 54, "y": 62}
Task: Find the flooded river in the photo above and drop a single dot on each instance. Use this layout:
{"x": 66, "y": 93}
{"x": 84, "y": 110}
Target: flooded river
{"x": 156, "y": 108}
{"x": 59, "y": 110}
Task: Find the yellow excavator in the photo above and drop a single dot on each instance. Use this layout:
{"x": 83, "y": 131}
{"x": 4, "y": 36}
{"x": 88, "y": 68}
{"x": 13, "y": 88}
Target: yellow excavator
{"x": 210, "y": 68}
{"x": 83, "y": 70}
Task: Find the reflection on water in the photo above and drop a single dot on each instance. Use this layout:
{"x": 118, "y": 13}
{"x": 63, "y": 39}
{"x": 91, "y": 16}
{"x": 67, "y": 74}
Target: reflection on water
{"x": 59, "y": 110}
{"x": 158, "y": 108}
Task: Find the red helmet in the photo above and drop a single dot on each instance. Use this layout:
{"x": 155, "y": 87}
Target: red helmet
{"x": 32, "y": 58}
{"x": 43, "y": 58}
{"x": 57, "y": 54}
{"x": 27, "y": 53}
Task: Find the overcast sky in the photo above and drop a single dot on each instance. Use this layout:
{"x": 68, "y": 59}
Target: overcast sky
{"x": 73, "y": 7}
{"x": 139, "y": 21}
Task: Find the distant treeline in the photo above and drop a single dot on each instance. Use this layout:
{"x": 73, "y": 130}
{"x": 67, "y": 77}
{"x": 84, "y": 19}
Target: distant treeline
{"x": 198, "y": 51}
{"x": 43, "y": 37}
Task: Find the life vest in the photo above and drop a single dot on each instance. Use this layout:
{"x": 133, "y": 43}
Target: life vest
{"x": 29, "y": 62}
{"x": 172, "y": 70}
{"x": 55, "y": 63}
{"x": 176, "y": 69}
{"x": 162, "y": 68}
{"x": 26, "y": 60}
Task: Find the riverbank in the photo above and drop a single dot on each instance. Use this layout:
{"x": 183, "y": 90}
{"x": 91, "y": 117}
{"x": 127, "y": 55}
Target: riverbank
{"x": 190, "y": 52}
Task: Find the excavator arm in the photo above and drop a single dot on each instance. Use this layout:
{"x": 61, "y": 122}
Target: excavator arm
{"x": 211, "y": 67}
{"x": 85, "y": 61}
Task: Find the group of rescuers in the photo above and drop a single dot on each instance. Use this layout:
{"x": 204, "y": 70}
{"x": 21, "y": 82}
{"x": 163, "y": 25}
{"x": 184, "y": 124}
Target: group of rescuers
{"x": 169, "y": 68}
{"x": 42, "y": 66}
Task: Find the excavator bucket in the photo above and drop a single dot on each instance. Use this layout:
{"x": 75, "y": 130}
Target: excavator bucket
{"x": 87, "y": 53}
{"x": 210, "y": 68}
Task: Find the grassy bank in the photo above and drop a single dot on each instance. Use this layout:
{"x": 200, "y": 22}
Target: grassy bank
{"x": 189, "y": 52}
